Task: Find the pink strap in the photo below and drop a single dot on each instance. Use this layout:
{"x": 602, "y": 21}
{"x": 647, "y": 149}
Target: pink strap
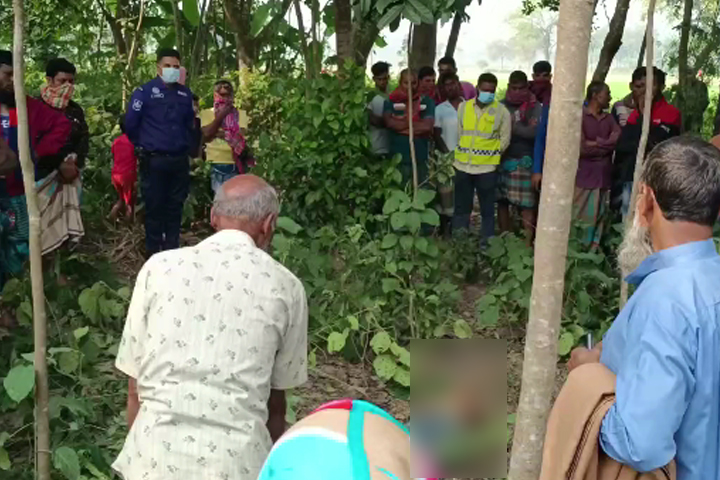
{"x": 342, "y": 404}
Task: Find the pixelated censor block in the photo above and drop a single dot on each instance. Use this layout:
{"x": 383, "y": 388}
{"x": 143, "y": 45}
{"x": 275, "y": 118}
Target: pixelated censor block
{"x": 458, "y": 408}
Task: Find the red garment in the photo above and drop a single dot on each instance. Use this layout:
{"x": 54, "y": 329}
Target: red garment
{"x": 124, "y": 184}
{"x": 124, "y": 161}
{"x": 524, "y": 98}
{"x": 401, "y": 96}
{"x": 49, "y": 130}
{"x": 662, "y": 112}
{"x": 542, "y": 90}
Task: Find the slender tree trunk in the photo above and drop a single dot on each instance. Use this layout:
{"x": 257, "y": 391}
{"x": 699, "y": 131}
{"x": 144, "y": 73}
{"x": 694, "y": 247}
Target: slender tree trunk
{"x": 640, "y": 159}
{"x": 343, "y": 31}
{"x": 424, "y": 45}
{"x": 178, "y": 26}
{"x": 316, "y": 55}
{"x": 133, "y": 53}
{"x": 683, "y": 65}
{"x": 197, "y": 46}
{"x": 411, "y": 132}
{"x": 307, "y": 57}
{"x": 563, "y": 150}
{"x": 613, "y": 40}
{"x": 364, "y": 36}
{"x": 42, "y": 415}
{"x": 641, "y": 55}
{"x": 454, "y": 34}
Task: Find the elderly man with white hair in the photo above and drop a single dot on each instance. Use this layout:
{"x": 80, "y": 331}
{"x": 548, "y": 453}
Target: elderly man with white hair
{"x": 214, "y": 335}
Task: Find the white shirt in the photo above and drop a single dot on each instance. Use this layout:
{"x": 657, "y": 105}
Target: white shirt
{"x": 446, "y": 118}
{"x": 210, "y": 330}
{"x": 379, "y": 137}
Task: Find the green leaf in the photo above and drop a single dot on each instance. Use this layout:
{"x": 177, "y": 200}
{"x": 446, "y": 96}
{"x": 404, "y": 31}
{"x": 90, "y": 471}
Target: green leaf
{"x": 412, "y": 14}
{"x": 89, "y": 303}
{"x": 385, "y": 366}
{"x": 423, "y": 10}
{"x": 380, "y": 42}
{"x": 336, "y": 342}
{"x": 398, "y": 220}
{"x": 430, "y": 216}
{"x": 382, "y": 5}
{"x": 79, "y": 333}
{"x": 406, "y": 242}
{"x": 360, "y": 172}
{"x": 390, "y": 284}
{"x": 484, "y": 302}
{"x": 462, "y": 329}
{"x": 433, "y": 250}
{"x": 523, "y": 274}
{"x": 565, "y": 344}
{"x": 402, "y": 376}
{"x": 66, "y": 460}
{"x": 413, "y": 221}
{"x": 391, "y": 267}
{"x": 425, "y": 196}
{"x": 124, "y": 292}
{"x": 391, "y": 205}
{"x": 4, "y": 459}
{"x": 190, "y": 10}
{"x": 439, "y": 331}
{"x": 389, "y": 241}
{"x": 365, "y": 6}
{"x": 380, "y": 342}
{"x": 489, "y": 316}
{"x": 354, "y": 322}
{"x": 19, "y": 382}
{"x": 401, "y": 353}
{"x": 421, "y": 243}
{"x": 24, "y": 314}
{"x": 390, "y": 16}
{"x": 68, "y": 362}
{"x": 4, "y": 436}
{"x": 12, "y": 290}
{"x": 289, "y": 225}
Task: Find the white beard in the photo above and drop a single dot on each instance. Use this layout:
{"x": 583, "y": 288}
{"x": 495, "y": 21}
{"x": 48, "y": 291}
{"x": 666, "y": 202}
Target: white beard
{"x": 635, "y": 247}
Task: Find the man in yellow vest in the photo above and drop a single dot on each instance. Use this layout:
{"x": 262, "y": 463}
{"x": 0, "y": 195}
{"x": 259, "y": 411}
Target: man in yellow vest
{"x": 485, "y": 128}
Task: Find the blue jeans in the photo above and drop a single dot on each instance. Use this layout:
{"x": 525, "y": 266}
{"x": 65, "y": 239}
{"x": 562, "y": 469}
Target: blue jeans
{"x": 165, "y": 183}
{"x": 221, "y": 173}
{"x": 466, "y": 186}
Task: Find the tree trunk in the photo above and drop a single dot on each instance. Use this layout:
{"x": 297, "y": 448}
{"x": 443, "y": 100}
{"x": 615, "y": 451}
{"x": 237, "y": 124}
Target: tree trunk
{"x": 454, "y": 34}
{"x": 115, "y": 24}
{"x": 640, "y": 159}
{"x": 315, "y": 19}
{"x": 42, "y": 413}
{"x": 307, "y": 57}
{"x": 197, "y": 46}
{"x": 411, "y": 133}
{"x": 132, "y": 55}
{"x": 613, "y": 40}
{"x": 683, "y": 55}
{"x": 178, "y": 26}
{"x": 343, "y": 31}
{"x": 563, "y": 149}
{"x": 423, "y": 50}
{"x": 364, "y": 36}
{"x": 641, "y": 55}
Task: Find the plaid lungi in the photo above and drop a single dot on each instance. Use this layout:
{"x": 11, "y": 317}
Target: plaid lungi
{"x": 589, "y": 210}
{"x": 515, "y": 182}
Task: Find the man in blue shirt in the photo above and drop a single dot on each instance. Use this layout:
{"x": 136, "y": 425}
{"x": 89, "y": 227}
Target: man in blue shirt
{"x": 664, "y": 346}
{"x": 160, "y": 121}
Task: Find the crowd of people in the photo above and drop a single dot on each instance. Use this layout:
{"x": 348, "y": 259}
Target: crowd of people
{"x": 498, "y": 145}
{"x": 216, "y": 333}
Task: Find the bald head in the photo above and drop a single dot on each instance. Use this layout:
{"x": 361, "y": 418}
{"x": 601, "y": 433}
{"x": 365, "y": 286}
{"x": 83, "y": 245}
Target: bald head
{"x": 247, "y": 203}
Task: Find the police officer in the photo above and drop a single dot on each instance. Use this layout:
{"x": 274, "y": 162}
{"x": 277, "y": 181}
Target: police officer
{"x": 160, "y": 121}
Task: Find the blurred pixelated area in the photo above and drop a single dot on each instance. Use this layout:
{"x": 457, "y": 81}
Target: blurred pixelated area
{"x": 458, "y": 408}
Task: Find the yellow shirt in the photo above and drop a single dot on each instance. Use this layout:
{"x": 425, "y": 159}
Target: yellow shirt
{"x": 218, "y": 151}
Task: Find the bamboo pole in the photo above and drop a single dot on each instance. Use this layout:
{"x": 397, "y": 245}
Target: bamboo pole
{"x": 647, "y": 113}
{"x": 42, "y": 420}
{"x": 563, "y": 150}
{"x": 411, "y": 133}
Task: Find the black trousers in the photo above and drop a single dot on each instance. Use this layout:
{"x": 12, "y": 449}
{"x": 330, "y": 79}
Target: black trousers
{"x": 165, "y": 183}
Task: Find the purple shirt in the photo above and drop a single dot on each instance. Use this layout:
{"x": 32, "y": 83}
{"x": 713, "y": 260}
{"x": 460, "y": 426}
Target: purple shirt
{"x": 595, "y": 167}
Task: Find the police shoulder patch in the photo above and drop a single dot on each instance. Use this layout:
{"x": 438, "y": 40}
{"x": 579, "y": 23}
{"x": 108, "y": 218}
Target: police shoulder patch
{"x": 137, "y": 105}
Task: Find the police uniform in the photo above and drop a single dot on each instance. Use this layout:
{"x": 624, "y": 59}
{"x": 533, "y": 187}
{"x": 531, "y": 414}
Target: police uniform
{"x": 160, "y": 122}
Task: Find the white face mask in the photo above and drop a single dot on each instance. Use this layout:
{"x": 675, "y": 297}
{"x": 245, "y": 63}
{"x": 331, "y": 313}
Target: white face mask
{"x": 170, "y": 75}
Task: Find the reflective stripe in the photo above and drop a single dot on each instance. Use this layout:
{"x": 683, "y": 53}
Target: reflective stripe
{"x": 475, "y": 133}
{"x": 478, "y": 143}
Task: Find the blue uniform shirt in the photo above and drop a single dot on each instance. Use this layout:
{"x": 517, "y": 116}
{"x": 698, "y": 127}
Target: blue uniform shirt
{"x": 664, "y": 348}
{"x": 160, "y": 118}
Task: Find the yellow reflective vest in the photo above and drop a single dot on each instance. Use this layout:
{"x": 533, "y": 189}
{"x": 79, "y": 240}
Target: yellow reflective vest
{"x": 478, "y": 145}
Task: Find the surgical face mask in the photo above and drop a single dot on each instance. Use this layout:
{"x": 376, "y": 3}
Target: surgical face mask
{"x": 486, "y": 97}
{"x": 170, "y": 75}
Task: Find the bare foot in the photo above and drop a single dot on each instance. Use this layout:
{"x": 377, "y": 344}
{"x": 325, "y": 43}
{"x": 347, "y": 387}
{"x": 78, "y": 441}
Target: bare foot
{"x": 115, "y": 211}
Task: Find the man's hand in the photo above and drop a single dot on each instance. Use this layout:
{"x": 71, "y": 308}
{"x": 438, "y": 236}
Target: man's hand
{"x": 536, "y": 180}
{"x": 220, "y": 134}
{"x": 224, "y": 111}
{"x": 581, "y": 356}
{"x": 591, "y": 143}
{"x": 533, "y": 122}
{"x": 68, "y": 169}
